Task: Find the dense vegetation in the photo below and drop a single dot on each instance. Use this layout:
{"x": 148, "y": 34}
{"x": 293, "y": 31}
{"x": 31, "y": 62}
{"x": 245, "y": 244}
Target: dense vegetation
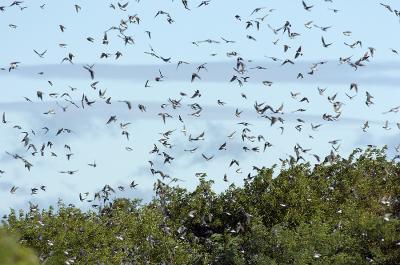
{"x": 11, "y": 253}
{"x": 341, "y": 212}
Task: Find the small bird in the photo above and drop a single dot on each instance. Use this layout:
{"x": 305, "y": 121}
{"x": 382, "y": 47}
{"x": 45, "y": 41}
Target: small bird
{"x": 3, "y": 120}
{"x": 324, "y": 44}
{"x": 306, "y": 7}
{"x": 113, "y": 118}
{"x": 69, "y": 172}
{"x": 41, "y": 55}
{"x": 13, "y": 189}
{"x": 222, "y": 146}
{"x": 194, "y": 76}
{"x": 123, "y": 6}
{"x": 90, "y": 69}
{"x": 77, "y": 8}
{"x": 133, "y": 185}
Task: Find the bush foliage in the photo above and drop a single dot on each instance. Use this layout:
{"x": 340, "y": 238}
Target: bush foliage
{"x": 12, "y": 253}
{"x": 342, "y": 212}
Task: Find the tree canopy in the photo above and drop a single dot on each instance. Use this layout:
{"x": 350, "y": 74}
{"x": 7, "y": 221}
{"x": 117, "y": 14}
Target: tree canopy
{"x": 341, "y": 212}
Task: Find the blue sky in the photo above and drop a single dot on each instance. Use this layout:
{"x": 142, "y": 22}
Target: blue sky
{"x": 124, "y": 79}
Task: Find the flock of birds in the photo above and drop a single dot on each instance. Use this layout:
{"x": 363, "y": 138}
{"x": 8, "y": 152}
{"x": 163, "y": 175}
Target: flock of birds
{"x": 162, "y": 150}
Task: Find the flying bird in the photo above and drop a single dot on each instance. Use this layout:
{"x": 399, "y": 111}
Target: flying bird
{"x": 90, "y": 69}
{"x": 306, "y": 7}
